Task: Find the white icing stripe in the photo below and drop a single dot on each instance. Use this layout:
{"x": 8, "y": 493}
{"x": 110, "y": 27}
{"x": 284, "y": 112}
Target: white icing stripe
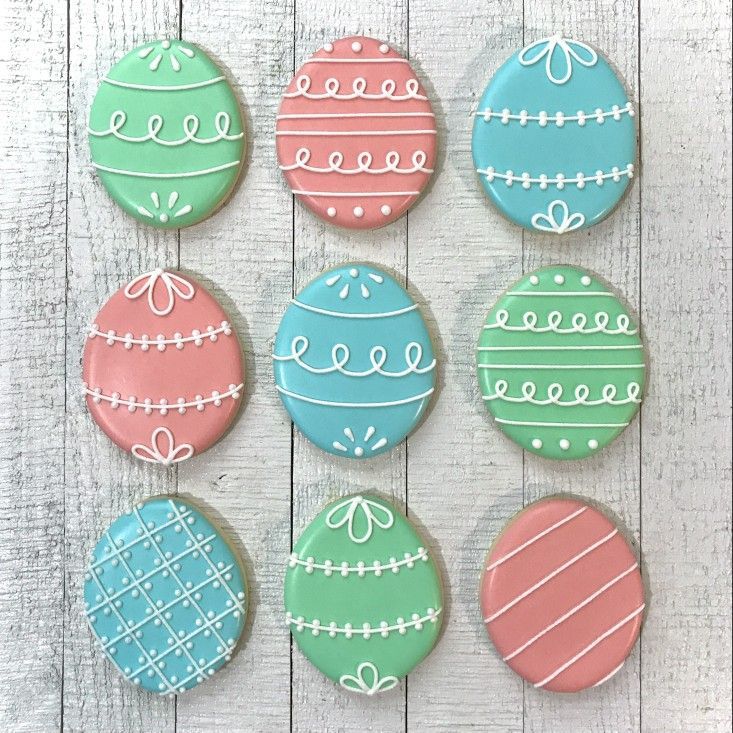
{"x": 187, "y": 174}
{"x": 571, "y": 612}
{"x": 356, "y": 61}
{"x": 530, "y": 423}
{"x": 609, "y": 675}
{"x": 559, "y": 348}
{"x": 383, "y": 628}
{"x": 352, "y": 133}
{"x": 561, "y": 366}
{"x": 534, "y": 539}
{"x": 551, "y": 575}
{"x": 338, "y": 194}
{"x": 198, "y": 337}
{"x": 344, "y": 569}
{"x": 351, "y": 115}
{"x": 164, "y": 407}
{"x": 339, "y": 314}
{"x": 590, "y": 647}
{"x": 558, "y": 119}
{"x": 153, "y": 88}
{"x": 551, "y": 293}
{"x": 560, "y": 180}
{"x": 314, "y": 401}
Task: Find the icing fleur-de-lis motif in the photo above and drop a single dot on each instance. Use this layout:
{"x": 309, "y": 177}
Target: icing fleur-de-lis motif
{"x": 570, "y": 50}
{"x": 347, "y": 511}
{"x": 367, "y": 680}
{"x": 170, "y": 453}
{"x": 174, "y": 285}
{"x": 558, "y": 219}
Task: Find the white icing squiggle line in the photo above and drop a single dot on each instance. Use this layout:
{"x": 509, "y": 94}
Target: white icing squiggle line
{"x": 143, "y": 174}
{"x": 363, "y": 163}
{"x": 555, "y": 318}
{"x": 562, "y": 424}
{"x": 560, "y": 180}
{"x": 331, "y": 85}
{"x": 590, "y": 647}
{"x": 550, "y": 576}
{"x": 160, "y": 342}
{"x": 154, "y": 88}
{"x": 340, "y": 355}
{"x": 148, "y": 405}
{"x": 558, "y": 119}
{"x": 366, "y": 630}
{"x": 555, "y": 392}
{"x": 344, "y": 569}
{"x": 327, "y": 403}
{"x": 191, "y": 124}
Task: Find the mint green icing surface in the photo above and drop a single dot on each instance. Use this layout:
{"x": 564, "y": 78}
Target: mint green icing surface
{"x": 362, "y": 594}
{"x": 166, "y": 134}
{"x": 560, "y": 363}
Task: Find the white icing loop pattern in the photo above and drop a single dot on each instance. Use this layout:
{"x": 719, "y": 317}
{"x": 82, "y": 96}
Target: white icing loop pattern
{"x": 160, "y": 342}
{"x": 555, "y": 393}
{"x": 330, "y": 568}
{"x": 567, "y": 50}
{"x": 174, "y": 285}
{"x": 579, "y": 323}
{"x": 340, "y": 355}
{"x": 347, "y": 511}
{"x": 170, "y": 454}
{"x": 558, "y": 219}
{"x": 191, "y": 124}
{"x": 367, "y": 685}
{"x": 331, "y": 87}
{"x": 363, "y": 163}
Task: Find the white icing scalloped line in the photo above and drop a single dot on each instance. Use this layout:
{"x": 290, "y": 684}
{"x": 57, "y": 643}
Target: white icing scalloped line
{"x": 329, "y": 567}
{"x": 560, "y": 180}
{"x": 358, "y": 86}
{"x": 366, "y": 631}
{"x": 555, "y": 392}
{"x": 505, "y": 116}
{"x": 160, "y": 342}
{"x": 555, "y": 318}
{"x": 363, "y": 164}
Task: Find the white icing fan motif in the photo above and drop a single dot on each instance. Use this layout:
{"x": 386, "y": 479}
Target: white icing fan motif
{"x": 345, "y": 512}
{"x": 550, "y": 222}
{"x": 174, "y": 285}
{"x": 369, "y": 683}
{"x": 570, "y": 50}
{"x": 171, "y": 454}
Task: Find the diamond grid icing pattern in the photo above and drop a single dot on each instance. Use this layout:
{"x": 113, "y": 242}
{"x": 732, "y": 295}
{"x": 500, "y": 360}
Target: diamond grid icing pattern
{"x": 165, "y": 596}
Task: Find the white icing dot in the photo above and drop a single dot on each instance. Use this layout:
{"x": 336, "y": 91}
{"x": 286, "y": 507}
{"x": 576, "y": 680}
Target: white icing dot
{"x": 534, "y": 279}
{"x": 166, "y": 44}
{"x": 564, "y": 444}
{"x": 164, "y": 218}
{"x": 386, "y": 210}
{"x": 358, "y": 451}
{"x": 536, "y": 443}
{"x": 585, "y": 280}
{"x": 592, "y": 444}
{"x": 356, "y": 47}
{"x": 383, "y": 48}
{"x": 331, "y": 211}
{"x": 328, "y": 47}
{"x": 358, "y": 212}
{"x": 559, "y": 279}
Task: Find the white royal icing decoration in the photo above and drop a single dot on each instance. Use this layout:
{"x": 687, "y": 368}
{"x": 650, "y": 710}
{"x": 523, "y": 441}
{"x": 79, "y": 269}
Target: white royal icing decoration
{"x": 167, "y": 49}
{"x": 146, "y": 174}
{"x": 160, "y": 342}
{"x": 345, "y": 511}
{"x": 543, "y": 118}
{"x": 550, "y": 222}
{"x": 571, "y": 51}
{"x": 357, "y": 683}
{"x": 578, "y": 322}
{"x": 174, "y": 285}
{"x": 363, "y": 163}
{"x": 358, "y": 449}
{"x": 152, "y": 453}
{"x": 329, "y": 567}
{"x": 555, "y": 392}
{"x": 366, "y": 630}
{"x": 163, "y": 215}
{"x": 331, "y": 86}
{"x": 560, "y": 180}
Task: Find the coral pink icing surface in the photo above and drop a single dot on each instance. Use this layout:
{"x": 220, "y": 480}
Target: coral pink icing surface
{"x": 356, "y": 134}
{"x": 562, "y": 596}
{"x": 162, "y": 368}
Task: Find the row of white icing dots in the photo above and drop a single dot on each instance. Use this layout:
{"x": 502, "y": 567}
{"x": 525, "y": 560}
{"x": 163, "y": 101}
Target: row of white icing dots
{"x": 543, "y": 118}
{"x": 560, "y": 180}
{"x": 329, "y": 567}
{"x": 160, "y": 342}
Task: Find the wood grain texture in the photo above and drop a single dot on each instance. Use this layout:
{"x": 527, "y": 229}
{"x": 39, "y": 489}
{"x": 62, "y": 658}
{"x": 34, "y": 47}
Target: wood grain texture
{"x": 65, "y": 247}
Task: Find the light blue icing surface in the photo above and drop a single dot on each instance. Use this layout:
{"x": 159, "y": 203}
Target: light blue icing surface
{"x": 165, "y": 596}
{"x": 353, "y": 362}
{"x": 566, "y": 146}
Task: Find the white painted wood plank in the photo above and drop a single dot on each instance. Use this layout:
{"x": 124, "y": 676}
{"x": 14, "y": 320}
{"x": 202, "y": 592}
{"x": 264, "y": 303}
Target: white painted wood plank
{"x": 244, "y": 253}
{"x": 686, "y": 241}
{"x": 106, "y": 248}
{"x": 611, "y": 250}
{"x": 464, "y": 478}
{"x": 32, "y": 291}
{"x": 318, "y": 477}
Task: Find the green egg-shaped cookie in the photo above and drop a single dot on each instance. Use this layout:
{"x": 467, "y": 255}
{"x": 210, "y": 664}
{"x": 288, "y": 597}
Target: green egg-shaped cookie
{"x": 560, "y": 363}
{"x": 362, "y": 594}
{"x": 166, "y": 134}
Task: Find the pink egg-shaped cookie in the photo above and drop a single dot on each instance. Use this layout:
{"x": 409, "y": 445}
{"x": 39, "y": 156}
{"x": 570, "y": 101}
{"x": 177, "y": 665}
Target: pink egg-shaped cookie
{"x": 356, "y": 134}
{"x": 162, "y": 368}
{"x": 562, "y": 595}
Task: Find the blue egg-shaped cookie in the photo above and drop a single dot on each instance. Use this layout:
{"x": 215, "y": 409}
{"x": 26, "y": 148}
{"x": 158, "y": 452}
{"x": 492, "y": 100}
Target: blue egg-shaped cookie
{"x": 554, "y": 137}
{"x": 353, "y": 362}
{"x": 165, "y": 596}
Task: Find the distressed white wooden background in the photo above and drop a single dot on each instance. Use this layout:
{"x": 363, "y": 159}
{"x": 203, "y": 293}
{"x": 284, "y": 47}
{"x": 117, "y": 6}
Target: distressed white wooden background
{"x": 66, "y": 247}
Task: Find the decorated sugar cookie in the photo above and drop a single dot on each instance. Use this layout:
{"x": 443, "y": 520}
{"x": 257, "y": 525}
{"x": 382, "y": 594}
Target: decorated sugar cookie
{"x": 163, "y": 372}
{"x": 166, "y": 134}
{"x": 363, "y": 598}
{"x": 560, "y": 363}
{"x": 554, "y": 137}
{"x": 353, "y": 362}
{"x": 165, "y": 596}
{"x": 356, "y": 134}
{"x": 562, "y": 596}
